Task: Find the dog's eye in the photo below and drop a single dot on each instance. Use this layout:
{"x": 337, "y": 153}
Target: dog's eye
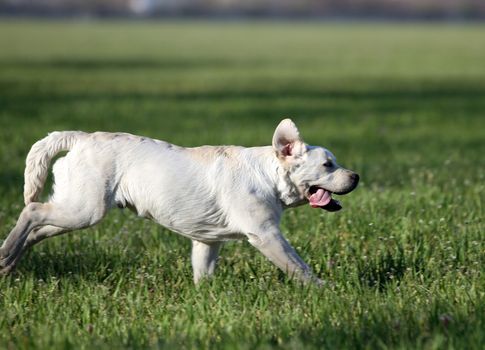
{"x": 328, "y": 164}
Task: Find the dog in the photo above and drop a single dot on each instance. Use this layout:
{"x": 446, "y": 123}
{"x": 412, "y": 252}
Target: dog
{"x": 210, "y": 194}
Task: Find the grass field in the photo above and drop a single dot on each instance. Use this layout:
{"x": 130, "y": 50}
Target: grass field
{"x": 403, "y": 105}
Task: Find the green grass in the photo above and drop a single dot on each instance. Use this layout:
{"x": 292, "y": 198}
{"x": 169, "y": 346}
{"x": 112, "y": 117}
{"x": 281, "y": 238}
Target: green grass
{"x": 403, "y": 105}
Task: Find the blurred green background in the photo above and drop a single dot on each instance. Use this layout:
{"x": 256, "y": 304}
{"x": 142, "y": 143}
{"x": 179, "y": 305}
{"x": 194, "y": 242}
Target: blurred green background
{"x": 403, "y": 104}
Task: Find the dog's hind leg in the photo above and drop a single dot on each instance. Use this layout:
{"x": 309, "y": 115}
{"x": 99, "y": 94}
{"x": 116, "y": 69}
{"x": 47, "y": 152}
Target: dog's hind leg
{"x": 42, "y": 233}
{"x": 204, "y": 257}
{"x": 34, "y": 237}
{"x": 50, "y": 219}
{"x": 12, "y": 246}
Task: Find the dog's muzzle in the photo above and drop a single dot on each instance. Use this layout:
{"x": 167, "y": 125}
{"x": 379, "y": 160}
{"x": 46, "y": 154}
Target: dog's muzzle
{"x": 353, "y": 182}
{"x": 319, "y": 197}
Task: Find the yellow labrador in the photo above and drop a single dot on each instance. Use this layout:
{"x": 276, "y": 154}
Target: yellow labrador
{"x": 209, "y": 194}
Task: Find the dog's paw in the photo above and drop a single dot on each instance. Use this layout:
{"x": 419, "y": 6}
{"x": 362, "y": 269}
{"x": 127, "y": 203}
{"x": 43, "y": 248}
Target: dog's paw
{"x": 5, "y": 267}
{"x": 5, "y": 270}
{"x": 6, "y": 263}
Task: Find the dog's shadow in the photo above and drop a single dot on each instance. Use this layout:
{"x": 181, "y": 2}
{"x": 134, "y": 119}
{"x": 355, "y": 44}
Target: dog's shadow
{"x": 93, "y": 263}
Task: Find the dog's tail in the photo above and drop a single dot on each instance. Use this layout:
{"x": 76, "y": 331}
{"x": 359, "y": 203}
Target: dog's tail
{"x": 39, "y": 159}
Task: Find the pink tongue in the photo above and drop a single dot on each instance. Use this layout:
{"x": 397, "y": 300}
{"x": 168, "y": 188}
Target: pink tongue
{"x": 320, "y": 198}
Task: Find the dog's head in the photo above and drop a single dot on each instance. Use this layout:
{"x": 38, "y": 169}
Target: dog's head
{"x": 312, "y": 170}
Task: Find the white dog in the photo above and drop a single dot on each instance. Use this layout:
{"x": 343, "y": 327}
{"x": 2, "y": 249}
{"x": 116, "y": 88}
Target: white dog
{"x": 209, "y": 194}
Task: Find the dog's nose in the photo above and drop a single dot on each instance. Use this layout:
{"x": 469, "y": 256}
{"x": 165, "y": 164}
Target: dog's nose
{"x": 355, "y": 178}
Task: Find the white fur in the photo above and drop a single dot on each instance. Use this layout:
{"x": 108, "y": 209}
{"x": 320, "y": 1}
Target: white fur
{"x": 209, "y": 194}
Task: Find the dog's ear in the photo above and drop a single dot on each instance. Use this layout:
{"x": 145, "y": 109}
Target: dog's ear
{"x": 286, "y": 139}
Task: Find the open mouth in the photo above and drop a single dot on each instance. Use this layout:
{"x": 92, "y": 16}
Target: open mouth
{"x": 321, "y": 198}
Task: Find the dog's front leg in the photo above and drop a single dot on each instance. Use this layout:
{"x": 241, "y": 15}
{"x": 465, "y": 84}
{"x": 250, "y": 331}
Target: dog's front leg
{"x": 277, "y": 249}
{"x": 204, "y": 257}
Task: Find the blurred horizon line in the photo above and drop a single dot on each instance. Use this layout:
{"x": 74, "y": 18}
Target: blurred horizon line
{"x": 405, "y": 10}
